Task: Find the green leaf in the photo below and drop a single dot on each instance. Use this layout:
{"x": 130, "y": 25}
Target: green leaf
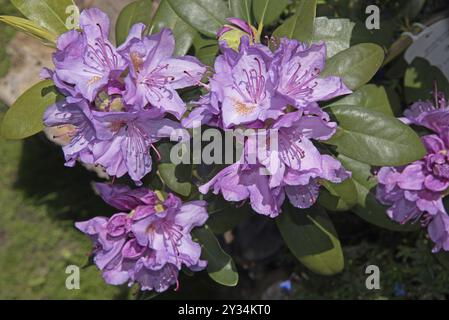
{"x": 411, "y": 8}
{"x": 207, "y": 54}
{"x": 338, "y": 196}
{"x": 206, "y": 49}
{"x": 220, "y": 266}
{"x": 49, "y": 14}
{"x": 443, "y": 258}
{"x": 356, "y": 65}
{"x": 146, "y": 295}
{"x": 368, "y": 208}
{"x": 336, "y": 33}
{"x": 362, "y": 177}
{"x": 419, "y": 79}
{"x": 206, "y": 16}
{"x": 24, "y": 117}
{"x": 374, "y": 138}
{"x": 301, "y": 25}
{"x": 241, "y": 9}
{"x": 135, "y": 12}
{"x": 311, "y": 237}
{"x": 176, "y": 177}
{"x": 268, "y": 11}
{"x": 370, "y": 96}
{"x": 30, "y": 28}
{"x": 384, "y": 36}
{"x": 166, "y": 17}
{"x": 225, "y": 217}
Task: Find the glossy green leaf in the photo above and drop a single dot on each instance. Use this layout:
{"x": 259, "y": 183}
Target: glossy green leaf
{"x": 30, "y": 28}
{"x": 24, "y": 117}
{"x": 361, "y": 175}
{"x": 241, "y": 9}
{"x": 268, "y": 11}
{"x": 338, "y": 196}
{"x": 176, "y": 177}
{"x": 374, "y": 138}
{"x": 206, "y": 16}
{"x": 368, "y": 208}
{"x": 51, "y": 15}
{"x": 220, "y": 266}
{"x": 311, "y": 237}
{"x": 135, "y": 12}
{"x": 356, "y": 65}
{"x": 166, "y": 17}
{"x": 301, "y": 25}
{"x": 336, "y": 33}
{"x": 372, "y": 97}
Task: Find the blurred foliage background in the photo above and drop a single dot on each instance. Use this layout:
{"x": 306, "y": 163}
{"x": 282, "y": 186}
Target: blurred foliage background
{"x": 40, "y": 199}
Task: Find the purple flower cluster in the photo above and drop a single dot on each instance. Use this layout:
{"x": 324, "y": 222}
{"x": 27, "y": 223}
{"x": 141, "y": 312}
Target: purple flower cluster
{"x": 148, "y": 241}
{"x": 255, "y": 88}
{"x": 415, "y": 192}
{"x": 117, "y": 99}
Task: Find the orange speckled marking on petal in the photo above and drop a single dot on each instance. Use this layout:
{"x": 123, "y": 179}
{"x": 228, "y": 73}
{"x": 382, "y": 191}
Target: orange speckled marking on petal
{"x": 136, "y": 60}
{"x": 93, "y": 80}
{"x": 243, "y": 108}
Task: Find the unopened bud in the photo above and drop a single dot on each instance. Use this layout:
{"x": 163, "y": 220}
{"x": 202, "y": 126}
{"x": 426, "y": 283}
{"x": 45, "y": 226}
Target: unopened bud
{"x": 232, "y": 33}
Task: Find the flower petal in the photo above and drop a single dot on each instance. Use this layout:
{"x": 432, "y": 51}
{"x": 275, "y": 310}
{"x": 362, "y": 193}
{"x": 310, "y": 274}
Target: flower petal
{"x": 183, "y": 71}
{"x": 303, "y": 196}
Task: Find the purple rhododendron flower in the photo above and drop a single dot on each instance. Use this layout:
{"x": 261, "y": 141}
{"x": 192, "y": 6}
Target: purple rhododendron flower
{"x": 86, "y": 60}
{"x": 75, "y": 120}
{"x": 124, "y": 141}
{"x": 154, "y": 74}
{"x": 243, "y": 85}
{"x": 254, "y": 88}
{"x": 117, "y": 99}
{"x": 254, "y": 84}
{"x": 296, "y": 68}
{"x": 424, "y": 113}
{"x": 149, "y": 244}
{"x": 118, "y": 141}
{"x": 293, "y": 169}
{"x": 415, "y": 192}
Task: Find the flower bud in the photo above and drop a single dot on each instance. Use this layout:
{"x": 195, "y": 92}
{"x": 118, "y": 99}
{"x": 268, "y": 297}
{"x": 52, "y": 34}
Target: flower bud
{"x": 232, "y": 33}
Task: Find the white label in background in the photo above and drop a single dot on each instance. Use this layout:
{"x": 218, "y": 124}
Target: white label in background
{"x": 432, "y": 44}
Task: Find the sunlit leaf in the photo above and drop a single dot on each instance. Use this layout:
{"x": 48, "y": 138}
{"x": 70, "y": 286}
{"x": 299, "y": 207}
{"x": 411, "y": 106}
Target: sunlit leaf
{"x": 356, "y": 65}
{"x": 24, "y": 117}
{"x": 30, "y": 28}
{"x": 51, "y": 15}
{"x": 311, "y": 237}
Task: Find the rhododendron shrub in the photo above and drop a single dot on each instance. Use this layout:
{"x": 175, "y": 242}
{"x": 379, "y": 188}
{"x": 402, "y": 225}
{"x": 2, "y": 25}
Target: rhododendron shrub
{"x": 122, "y": 104}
